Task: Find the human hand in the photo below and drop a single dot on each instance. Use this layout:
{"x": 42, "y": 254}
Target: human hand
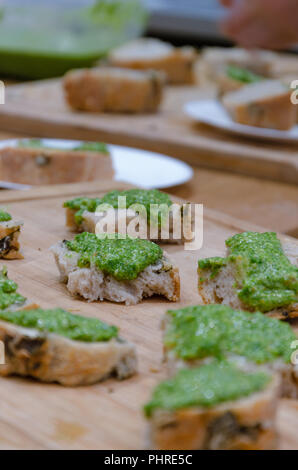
{"x": 269, "y": 24}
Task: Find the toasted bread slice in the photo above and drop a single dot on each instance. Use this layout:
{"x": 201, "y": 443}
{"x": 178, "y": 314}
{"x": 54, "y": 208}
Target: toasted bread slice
{"x": 93, "y": 284}
{"x": 51, "y": 357}
{"x": 220, "y": 288}
{"x": 248, "y": 356}
{"x": 9, "y": 239}
{"x": 115, "y": 90}
{"x": 264, "y": 104}
{"x": 90, "y": 220}
{"x": 38, "y": 166}
{"x": 246, "y": 423}
{"x": 214, "y": 60}
{"x": 148, "y": 53}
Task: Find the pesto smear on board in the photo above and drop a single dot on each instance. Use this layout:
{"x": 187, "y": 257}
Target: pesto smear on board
{"x": 264, "y": 277}
{"x": 206, "y": 386}
{"x": 218, "y": 330}
{"x": 133, "y": 196}
{"x": 4, "y": 216}
{"x": 123, "y": 258}
{"x": 8, "y": 291}
{"x": 63, "y": 323}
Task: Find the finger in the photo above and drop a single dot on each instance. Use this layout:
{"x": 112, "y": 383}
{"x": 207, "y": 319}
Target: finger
{"x": 226, "y": 3}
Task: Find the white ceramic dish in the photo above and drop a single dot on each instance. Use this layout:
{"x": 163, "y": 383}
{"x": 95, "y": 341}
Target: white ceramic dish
{"x": 138, "y": 167}
{"x": 211, "y": 112}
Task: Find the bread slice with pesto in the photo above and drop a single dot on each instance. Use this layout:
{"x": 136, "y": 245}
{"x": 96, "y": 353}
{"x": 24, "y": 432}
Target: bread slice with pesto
{"x": 233, "y": 78}
{"x": 57, "y": 346}
{"x": 195, "y": 335}
{"x": 83, "y": 215}
{"x": 177, "y": 63}
{"x": 114, "y": 90}
{"x": 10, "y": 298}
{"x": 10, "y": 230}
{"x": 33, "y": 162}
{"x": 214, "y": 407}
{"x": 116, "y": 269}
{"x": 265, "y": 104}
{"x": 258, "y": 273}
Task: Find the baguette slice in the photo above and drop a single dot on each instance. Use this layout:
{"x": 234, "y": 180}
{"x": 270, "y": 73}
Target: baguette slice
{"x": 38, "y": 166}
{"x": 247, "y": 423}
{"x": 9, "y": 239}
{"x": 93, "y": 284}
{"x": 50, "y": 357}
{"x": 264, "y": 104}
{"x": 214, "y": 60}
{"x": 148, "y": 53}
{"x": 115, "y": 90}
{"x": 9, "y": 295}
{"x": 91, "y": 219}
{"x": 220, "y": 288}
{"x": 287, "y": 371}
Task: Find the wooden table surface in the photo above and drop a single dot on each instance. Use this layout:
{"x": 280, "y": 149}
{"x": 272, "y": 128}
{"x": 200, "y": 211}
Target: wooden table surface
{"x": 267, "y": 203}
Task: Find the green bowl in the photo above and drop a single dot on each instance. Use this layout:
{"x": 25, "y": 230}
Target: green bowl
{"x": 43, "y": 42}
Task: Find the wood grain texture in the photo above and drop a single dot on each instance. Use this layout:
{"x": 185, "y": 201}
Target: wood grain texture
{"x": 107, "y": 415}
{"x": 38, "y": 108}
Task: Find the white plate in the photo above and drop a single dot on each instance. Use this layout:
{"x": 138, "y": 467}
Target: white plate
{"x": 138, "y": 167}
{"x": 213, "y": 113}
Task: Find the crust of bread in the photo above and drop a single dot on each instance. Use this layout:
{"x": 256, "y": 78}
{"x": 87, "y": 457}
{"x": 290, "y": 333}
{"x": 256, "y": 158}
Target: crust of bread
{"x": 53, "y": 358}
{"x": 177, "y": 62}
{"x": 108, "y": 89}
{"x": 93, "y": 284}
{"x": 9, "y": 240}
{"x": 90, "y": 220}
{"x": 245, "y": 424}
{"x": 219, "y": 290}
{"x": 50, "y": 166}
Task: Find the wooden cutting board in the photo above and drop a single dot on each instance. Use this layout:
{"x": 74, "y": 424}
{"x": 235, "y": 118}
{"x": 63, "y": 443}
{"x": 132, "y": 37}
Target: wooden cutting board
{"x": 38, "y": 109}
{"x": 106, "y": 415}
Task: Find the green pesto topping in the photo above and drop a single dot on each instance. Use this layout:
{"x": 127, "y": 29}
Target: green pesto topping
{"x": 133, "y": 196}
{"x": 82, "y": 204}
{"x": 218, "y": 330}
{"x": 92, "y": 147}
{"x": 4, "y": 216}
{"x": 85, "y": 146}
{"x": 8, "y": 291}
{"x": 206, "y": 386}
{"x": 63, "y": 323}
{"x": 123, "y": 258}
{"x": 265, "y": 279}
{"x": 242, "y": 75}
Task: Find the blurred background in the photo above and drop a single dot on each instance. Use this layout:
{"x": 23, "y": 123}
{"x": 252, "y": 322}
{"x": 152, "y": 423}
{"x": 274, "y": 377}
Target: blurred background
{"x": 43, "y": 38}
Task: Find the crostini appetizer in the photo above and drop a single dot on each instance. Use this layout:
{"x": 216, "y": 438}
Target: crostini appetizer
{"x": 265, "y": 103}
{"x": 194, "y": 335}
{"x": 81, "y": 214}
{"x": 9, "y": 295}
{"x": 119, "y": 269}
{"x": 10, "y": 230}
{"x": 259, "y": 273}
{"x": 214, "y": 407}
{"x": 176, "y": 63}
{"x": 32, "y": 162}
{"x": 114, "y": 90}
{"x": 233, "y": 78}
{"x": 57, "y": 346}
